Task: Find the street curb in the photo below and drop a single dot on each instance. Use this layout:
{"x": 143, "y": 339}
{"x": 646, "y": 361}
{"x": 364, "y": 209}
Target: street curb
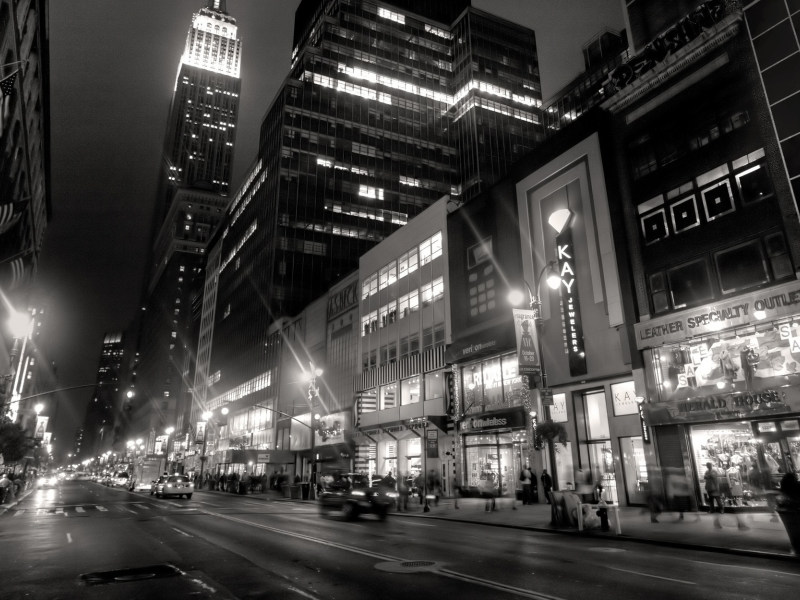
{"x": 4, "y": 508}
{"x": 623, "y": 538}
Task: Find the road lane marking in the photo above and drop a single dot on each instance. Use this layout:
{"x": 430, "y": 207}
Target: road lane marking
{"x": 80, "y": 509}
{"x": 69, "y": 539}
{"x": 101, "y": 508}
{"x": 384, "y": 557}
{"x": 128, "y": 509}
{"x": 182, "y": 532}
{"x": 18, "y": 512}
{"x": 143, "y": 506}
{"x": 653, "y": 576}
{"x": 700, "y": 562}
{"x": 419, "y": 524}
{"x": 301, "y": 592}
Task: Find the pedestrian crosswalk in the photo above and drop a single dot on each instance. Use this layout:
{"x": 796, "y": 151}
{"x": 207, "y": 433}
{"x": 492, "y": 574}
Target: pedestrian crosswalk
{"x": 89, "y": 509}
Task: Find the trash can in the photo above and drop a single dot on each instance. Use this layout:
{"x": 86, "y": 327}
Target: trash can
{"x": 304, "y": 489}
{"x": 243, "y": 488}
{"x": 294, "y": 490}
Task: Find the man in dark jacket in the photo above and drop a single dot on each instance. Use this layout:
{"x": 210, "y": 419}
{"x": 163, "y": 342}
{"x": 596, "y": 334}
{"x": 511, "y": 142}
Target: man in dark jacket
{"x": 547, "y": 484}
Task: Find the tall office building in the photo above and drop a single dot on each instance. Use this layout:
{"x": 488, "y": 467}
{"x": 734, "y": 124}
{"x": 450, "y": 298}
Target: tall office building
{"x": 388, "y": 107}
{"x": 201, "y": 127}
{"x": 192, "y": 198}
{"x": 98, "y": 423}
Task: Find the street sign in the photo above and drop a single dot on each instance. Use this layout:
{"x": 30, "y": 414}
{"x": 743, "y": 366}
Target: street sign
{"x": 547, "y": 397}
{"x": 432, "y": 443}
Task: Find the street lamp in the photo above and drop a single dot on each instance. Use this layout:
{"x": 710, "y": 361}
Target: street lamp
{"x": 313, "y": 395}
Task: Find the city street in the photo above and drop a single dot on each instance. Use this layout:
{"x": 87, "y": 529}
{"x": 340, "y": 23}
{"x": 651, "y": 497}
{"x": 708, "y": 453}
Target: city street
{"x": 226, "y": 546}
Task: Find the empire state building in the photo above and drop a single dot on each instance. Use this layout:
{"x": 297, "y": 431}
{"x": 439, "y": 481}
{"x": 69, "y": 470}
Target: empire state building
{"x": 201, "y": 128}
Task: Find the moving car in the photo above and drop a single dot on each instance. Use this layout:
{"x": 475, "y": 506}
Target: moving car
{"x": 46, "y": 481}
{"x": 350, "y": 495}
{"x": 157, "y": 485}
{"x": 119, "y": 479}
{"x": 174, "y": 485}
{"x": 139, "y": 485}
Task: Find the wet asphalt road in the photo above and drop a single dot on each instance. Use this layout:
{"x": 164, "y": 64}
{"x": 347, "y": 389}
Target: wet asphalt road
{"x": 225, "y": 546}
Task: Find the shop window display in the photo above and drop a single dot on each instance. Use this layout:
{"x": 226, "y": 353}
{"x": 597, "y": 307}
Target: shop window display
{"x": 496, "y": 457}
{"x": 492, "y": 385}
{"x": 754, "y": 362}
{"x": 634, "y": 466}
{"x": 745, "y": 467}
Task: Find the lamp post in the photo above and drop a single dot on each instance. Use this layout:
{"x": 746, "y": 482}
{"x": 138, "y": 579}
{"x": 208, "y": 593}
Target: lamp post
{"x": 313, "y": 396}
{"x": 206, "y": 417}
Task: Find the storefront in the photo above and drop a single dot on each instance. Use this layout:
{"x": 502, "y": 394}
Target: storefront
{"x": 254, "y": 462}
{"x": 495, "y": 449}
{"x": 723, "y": 387}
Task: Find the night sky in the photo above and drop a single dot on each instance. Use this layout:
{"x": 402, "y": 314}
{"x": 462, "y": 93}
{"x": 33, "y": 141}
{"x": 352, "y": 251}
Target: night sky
{"x": 113, "y": 68}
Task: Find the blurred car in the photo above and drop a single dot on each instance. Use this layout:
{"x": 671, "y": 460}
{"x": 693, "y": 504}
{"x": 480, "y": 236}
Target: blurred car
{"x": 46, "y": 481}
{"x": 119, "y": 479}
{"x": 138, "y": 485}
{"x": 351, "y": 495}
{"x": 157, "y": 485}
{"x": 174, "y": 485}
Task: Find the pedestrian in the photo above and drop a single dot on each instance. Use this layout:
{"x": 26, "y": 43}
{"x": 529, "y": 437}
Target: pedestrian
{"x": 712, "y": 489}
{"x": 487, "y": 491}
{"x": 525, "y": 477}
{"x": 419, "y": 483}
{"x": 678, "y": 491}
{"x": 402, "y": 490}
{"x": 547, "y": 484}
{"x": 433, "y": 485}
{"x": 456, "y": 489}
{"x": 655, "y": 490}
{"x": 5, "y": 488}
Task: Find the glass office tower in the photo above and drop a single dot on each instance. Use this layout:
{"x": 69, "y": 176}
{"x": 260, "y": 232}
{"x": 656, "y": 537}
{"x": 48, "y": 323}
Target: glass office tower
{"x": 385, "y": 111}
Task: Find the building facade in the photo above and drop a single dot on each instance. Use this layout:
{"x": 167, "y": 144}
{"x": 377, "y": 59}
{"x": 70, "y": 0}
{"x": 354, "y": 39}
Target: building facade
{"x": 712, "y": 224}
{"x": 404, "y": 325}
{"x": 385, "y": 110}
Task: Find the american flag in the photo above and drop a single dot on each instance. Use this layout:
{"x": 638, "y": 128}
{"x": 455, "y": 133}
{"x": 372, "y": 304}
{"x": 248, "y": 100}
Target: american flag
{"x": 10, "y": 214}
{"x": 14, "y": 271}
{"x": 6, "y": 88}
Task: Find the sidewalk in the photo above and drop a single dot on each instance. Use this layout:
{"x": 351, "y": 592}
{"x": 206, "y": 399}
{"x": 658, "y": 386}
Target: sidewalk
{"x": 17, "y": 500}
{"x": 765, "y": 537}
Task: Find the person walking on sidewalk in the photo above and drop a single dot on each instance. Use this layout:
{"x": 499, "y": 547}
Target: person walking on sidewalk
{"x": 456, "y": 490}
{"x": 526, "y": 477}
{"x": 712, "y": 489}
{"x": 547, "y": 484}
{"x": 487, "y": 491}
{"x": 402, "y": 490}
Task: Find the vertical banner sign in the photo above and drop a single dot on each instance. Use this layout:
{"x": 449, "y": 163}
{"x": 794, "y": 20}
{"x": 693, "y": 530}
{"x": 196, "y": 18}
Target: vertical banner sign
{"x": 161, "y": 444}
{"x": 41, "y": 425}
{"x": 201, "y": 432}
{"x": 645, "y": 430}
{"x": 432, "y": 443}
{"x": 570, "y": 303}
{"x": 151, "y": 443}
{"x": 527, "y": 341}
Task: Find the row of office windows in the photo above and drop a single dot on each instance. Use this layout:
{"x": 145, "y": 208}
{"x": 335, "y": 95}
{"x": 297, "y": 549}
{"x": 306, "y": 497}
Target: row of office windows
{"x": 407, "y": 263}
{"x": 404, "y": 306}
{"x": 420, "y": 388}
{"x": 432, "y": 337}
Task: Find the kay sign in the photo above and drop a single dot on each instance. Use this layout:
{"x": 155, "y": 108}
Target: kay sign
{"x": 571, "y": 303}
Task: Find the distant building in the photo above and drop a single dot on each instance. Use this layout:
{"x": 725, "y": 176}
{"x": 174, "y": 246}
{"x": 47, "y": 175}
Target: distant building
{"x": 99, "y": 421}
{"x": 192, "y": 198}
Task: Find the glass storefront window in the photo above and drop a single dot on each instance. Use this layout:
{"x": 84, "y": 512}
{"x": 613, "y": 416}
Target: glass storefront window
{"x": 473, "y": 389}
{"x": 753, "y": 362}
{"x": 492, "y": 384}
{"x": 744, "y": 467}
{"x": 514, "y": 389}
{"x": 634, "y": 467}
{"x": 602, "y": 461}
{"x": 434, "y": 386}
{"x": 388, "y": 396}
{"x": 596, "y": 416}
{"x": 409, "y": 391}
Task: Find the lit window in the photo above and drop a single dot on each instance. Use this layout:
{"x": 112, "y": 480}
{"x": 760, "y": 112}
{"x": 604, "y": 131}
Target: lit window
{"x": 430, "y": 248}
{"x": 370, "y": 192}
{"x": 369, "y": 323}
{"x": 370, "y": 286}
{"x": 407, "y": 263}
{"x": 175, "y": 334}
{"x": 388, "y": 275}
{"x": 433, "y": 291}
{"x": 181, "y": 268}
{"x": 166, "y": 393}
{"x": 388, "y": 314}
{"x": 408, "y": 304}
{"x": 392, "y": 16}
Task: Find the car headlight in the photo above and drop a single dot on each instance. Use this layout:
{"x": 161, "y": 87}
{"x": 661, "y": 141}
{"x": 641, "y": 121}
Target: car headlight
{"x": 358, "y": 494}
{"x": 392, "y": 494}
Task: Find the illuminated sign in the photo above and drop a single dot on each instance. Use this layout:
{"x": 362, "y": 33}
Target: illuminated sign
{"x": 340, "y": 302}
{"x": 201, "y": 432}
{"x": 527, "y": 340}
{"x": 570, "y": 303}
{"x": 502, "y": 419}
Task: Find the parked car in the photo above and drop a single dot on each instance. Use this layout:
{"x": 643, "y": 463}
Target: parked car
{"x": 350, "y": 495}
{"x": 174, "y": 485}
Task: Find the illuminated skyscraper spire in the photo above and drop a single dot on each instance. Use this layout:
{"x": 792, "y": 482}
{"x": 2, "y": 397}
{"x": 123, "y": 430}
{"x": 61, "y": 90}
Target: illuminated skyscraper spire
{"x": 211, "y": 43}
